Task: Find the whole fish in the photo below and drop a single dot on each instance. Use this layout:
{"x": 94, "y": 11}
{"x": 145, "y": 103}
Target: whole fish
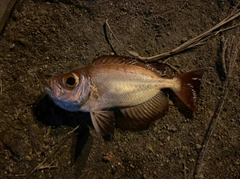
{"x": 125, "y": 84}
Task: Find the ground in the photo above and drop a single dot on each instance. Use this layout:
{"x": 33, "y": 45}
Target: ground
{"x": 45, "y": 38}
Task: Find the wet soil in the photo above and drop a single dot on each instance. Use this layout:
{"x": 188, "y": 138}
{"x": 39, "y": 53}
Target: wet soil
{"x": 45, "y": 38}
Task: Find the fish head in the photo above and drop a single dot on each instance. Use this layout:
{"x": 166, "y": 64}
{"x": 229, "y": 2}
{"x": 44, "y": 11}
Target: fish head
{"x": 69, "y": 91}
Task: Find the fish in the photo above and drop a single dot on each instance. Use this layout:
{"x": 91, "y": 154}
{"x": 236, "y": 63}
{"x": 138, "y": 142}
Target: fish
{"x": 117, "y": 83}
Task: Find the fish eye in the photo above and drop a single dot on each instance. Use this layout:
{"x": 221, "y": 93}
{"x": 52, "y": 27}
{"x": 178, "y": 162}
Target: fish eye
{"x": 71, "y": 80}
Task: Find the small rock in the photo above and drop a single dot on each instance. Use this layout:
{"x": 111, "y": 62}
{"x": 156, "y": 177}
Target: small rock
{"x": 132, "y": 166}
{"x": 108, "y": 157}
{"x": 198, "y": 146}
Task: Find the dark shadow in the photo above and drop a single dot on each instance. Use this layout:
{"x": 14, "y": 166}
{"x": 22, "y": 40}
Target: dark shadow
{"x": 47, "y": 113}
{"x": 82, "y": 144}
{"x": 222, "y": 73}
{"x": 182, "y": 108}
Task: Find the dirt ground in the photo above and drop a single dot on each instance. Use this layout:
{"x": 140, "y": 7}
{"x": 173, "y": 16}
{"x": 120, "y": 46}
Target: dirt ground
{"x": 45, "y": 38}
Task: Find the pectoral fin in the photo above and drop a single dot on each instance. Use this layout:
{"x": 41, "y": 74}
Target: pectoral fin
{"x": 103, "y": 122}
{"x": 141, "y": 116}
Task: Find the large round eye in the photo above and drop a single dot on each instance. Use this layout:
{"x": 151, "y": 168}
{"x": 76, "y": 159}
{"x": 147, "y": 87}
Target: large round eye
{"x": 71, "y": 80}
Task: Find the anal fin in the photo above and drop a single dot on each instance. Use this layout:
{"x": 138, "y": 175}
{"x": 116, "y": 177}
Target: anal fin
{"x": 141, "y": 116}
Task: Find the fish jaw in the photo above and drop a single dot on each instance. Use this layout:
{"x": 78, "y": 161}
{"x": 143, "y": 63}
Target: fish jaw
{"x": 59, "y": 102}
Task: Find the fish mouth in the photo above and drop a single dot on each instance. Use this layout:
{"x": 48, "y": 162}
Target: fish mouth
{"x": 54, "y": 90}
{"x": 48, "y": 91}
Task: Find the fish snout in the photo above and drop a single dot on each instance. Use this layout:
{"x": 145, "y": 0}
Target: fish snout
{"x": 54, "y": 89}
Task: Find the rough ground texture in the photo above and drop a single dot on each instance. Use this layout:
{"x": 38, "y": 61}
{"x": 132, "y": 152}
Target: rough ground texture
{"x": 45, "y": 38}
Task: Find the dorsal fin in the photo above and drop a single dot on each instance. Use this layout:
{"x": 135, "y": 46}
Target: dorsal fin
{"x": 114, "y": 59}
{"x": 141, "y": 116}
{"x": 156, "y": 67}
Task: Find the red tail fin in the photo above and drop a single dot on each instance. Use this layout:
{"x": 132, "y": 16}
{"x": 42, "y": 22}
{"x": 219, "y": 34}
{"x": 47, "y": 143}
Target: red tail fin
{"x": 190, "y": 88}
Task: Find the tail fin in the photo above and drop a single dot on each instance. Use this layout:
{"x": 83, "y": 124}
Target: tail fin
{"x": 190, "y": 88}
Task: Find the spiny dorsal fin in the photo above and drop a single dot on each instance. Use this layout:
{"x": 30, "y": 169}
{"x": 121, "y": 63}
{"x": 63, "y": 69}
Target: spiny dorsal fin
{"x": 156, "y": 67}
{"x": 141, "y": 116}
{"x": 114, "y": 59}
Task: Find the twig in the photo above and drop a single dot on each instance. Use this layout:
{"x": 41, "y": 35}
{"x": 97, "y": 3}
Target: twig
{"x": 1, "y": 90}
{"x": 185, "y": 2}
{"x": 114, "y": 36}
{"x": 223, "y": 71}
{"x": 235, "y": 7}
{"x": 19, "y": 175}
{"x": 229, "y": 59}
{"x": 172, "y": 67}
{"x": 48, "y": 166}
{"x": 184, "y": 170}
{"x": 228, "y": 28}
{"x": 41, "y": 165}
{"x": 192, "y": 42}
{"x": 196, "y": 41}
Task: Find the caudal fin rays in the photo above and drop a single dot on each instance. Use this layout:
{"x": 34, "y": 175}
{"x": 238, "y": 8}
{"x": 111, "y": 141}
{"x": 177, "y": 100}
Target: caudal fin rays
{"x": 189, "y": 88}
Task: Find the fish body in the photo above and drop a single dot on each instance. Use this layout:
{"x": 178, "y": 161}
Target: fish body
{"x": 114, "y": 82}
{"x": 119, "y": 85}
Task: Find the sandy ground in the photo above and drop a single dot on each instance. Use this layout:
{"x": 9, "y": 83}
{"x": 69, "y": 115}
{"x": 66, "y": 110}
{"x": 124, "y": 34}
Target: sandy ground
{"x": 45, "y": 38}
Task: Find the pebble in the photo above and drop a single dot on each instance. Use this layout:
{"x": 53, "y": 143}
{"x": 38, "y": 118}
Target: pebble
{"x": 198, "y": 146}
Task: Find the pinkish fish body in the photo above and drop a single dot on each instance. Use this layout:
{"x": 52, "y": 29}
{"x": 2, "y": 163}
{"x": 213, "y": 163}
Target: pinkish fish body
{"x": 114, "y": 82}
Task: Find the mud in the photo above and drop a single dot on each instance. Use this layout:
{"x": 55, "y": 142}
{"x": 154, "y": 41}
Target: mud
{"x": 45, "y": 38}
